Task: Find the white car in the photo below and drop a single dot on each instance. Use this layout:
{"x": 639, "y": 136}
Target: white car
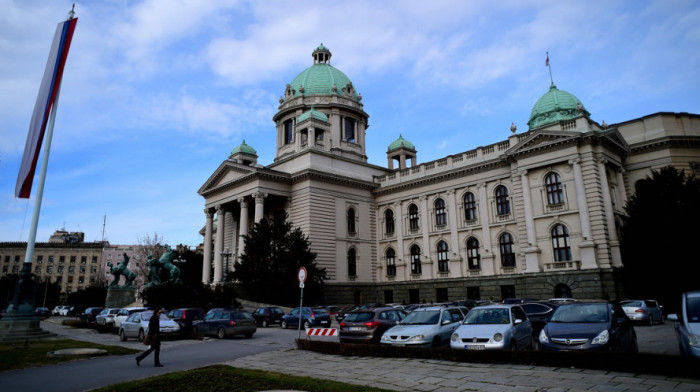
{"x": 106, "y": 316}
{"x": 688, "y": 324}
{"x": 136, "y": 326}
{"x": 427, "y": 327}
{"x": 504, "y": 327}
{"x": 125, "y": 312}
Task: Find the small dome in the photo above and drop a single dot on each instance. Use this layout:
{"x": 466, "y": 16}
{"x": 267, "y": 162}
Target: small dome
{"x": 555, "y": 106}
{"x": 321, "y": 78}
{"x": 313, "y": 113}
{"x": 401, "y": 143}
{"x": 244, "y": 148}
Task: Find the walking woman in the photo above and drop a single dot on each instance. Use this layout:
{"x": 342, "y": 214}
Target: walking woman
{"x": 153, "y": 339}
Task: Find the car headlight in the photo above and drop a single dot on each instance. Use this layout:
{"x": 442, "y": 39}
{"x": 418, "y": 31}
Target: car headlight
{"x": 386, "y": 337}
{"x": 602, "y": 338}
{"x": 455, "y": 337}
{"x": 497, "y": 337}
{"x": 416, "y": 338}
{"x": 694, "y": 340}
{"x": 543, "y": 337}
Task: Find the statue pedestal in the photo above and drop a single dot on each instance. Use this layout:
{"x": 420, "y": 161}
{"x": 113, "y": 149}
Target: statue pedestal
{"x": 21, "y": 324}
{"x": 119, "y": 297}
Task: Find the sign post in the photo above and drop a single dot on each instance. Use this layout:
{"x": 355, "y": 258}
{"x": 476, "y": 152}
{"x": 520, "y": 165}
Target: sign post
{"x": 301, "y": 277}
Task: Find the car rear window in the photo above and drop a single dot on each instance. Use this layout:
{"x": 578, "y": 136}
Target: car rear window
{"x": 631, "y": 304}
{"x": 320, "y": 311}
{"x": 359, "y": 317}
{"x": 241, "y": 316}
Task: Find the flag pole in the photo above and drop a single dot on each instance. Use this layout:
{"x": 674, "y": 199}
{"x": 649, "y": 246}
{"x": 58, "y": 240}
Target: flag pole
{"x": 550, "y": 70}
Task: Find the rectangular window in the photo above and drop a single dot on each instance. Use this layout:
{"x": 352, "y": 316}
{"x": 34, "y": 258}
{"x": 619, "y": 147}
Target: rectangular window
{"x": 473, "y": 293}
{"x": 70, "y": 279}
{"x": 288, "y": 132}
{"x": 71, "y": 270}
{"x": 72, "y": 259}
{"x": 82, "y": 270}
{"x": 59, "y": 279}
{"x": 15, "y": 269}
{"x": 51, "y": 258}
{"x": 441, "y": 294}
{"x": 16, "y": 259}
{"x": 92, "y": 279}
{"x": 37, "y": 269}
{"x": 7, "y": 259}
{"x": 507, "y": 291}
{"x": 81, "y": 279}
{"x": 349, "y": 129}
{"x": 388, "y": 296}
{"x": 40, "y": 259}
{"x": 49, "y": 270}
{"x": 414, "y": 296}
{"x": 61, "y": 260}
{"x": 94, "y": 259}
{"x": 60, "y": 269}
{"x": 93, "y": 269}
{"x": 5, "y": 269}
{"x": 83, "y": 260}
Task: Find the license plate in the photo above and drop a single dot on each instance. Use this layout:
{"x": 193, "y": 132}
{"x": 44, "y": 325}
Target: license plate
{"x": 355, "y": 328}
{"x": 475, "y": 347}
{"x": 324, "y": 322}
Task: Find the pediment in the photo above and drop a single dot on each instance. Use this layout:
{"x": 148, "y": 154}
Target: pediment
{"x": 615, "y": 137}
{"x": 541, "y": 140}
{"x": 226, "y": 173}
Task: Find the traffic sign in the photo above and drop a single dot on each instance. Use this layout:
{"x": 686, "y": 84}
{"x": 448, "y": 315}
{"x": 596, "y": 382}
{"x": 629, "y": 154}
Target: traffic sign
{"x": 302, "y": 275}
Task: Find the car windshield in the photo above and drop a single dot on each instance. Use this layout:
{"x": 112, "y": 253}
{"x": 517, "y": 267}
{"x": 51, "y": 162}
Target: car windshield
{"x": 693, "y": 309}
{"x": 428, "y": 317}
{"x": 487, "y": 316}
{"x": 359, "y": 317}
{"x": 582, "y": 313}
{"x": 631, "y": 304}
{"x": 145, "y": 316}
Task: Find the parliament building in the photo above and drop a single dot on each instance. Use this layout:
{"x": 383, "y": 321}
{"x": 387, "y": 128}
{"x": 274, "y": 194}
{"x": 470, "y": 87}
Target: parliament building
{"x": 536, "y": 215}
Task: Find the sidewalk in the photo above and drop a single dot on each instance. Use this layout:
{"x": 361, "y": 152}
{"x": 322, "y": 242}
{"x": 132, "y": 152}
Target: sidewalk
{"x": 444, "y": 376}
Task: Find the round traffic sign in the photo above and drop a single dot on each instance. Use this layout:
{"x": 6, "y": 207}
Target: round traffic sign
{"x": 302, "y": 275}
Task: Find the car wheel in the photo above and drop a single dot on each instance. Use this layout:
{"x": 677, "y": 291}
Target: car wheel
{"x": 436, "y": 342}
{"x": 195, "y": 332}
{"x": 513, "y": 345}
{"x": 264, "y": 323}
{"x": 651, "y": 320}
{"x": 221, "y": 333}
{"x": 283, "y": 324}
{"x": 122, "y": 335}
{"x": 307, "y": 325}
{"x": 141, "y": 335}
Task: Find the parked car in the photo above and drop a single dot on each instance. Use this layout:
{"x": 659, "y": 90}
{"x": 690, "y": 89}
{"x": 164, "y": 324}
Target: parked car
{"x": 185, "y": 318}
{"x": 136, "y": 326}
{"x": 226, "y": 322}
{"x": 67, "y": 311}
{"x": 309, "y": 318}
{"x": 589, "y": 326}
{"x": 57, "y": 310}
{"x": 341, "y": 313}
{"x": 503, "y": 327}
{"x": 333, "y": 310}
{"x": 90, "y": 313}
{"x": 645, "y": 311}
{"x": 42, "y": 312}
{"x": 123, "y": 313}
{"x": 429, "y": 327}
{"x": 268, "y": 315}
{"x": 106, "y": 316}
{"x": 560, "y": 301}
{"x": 688, "y": 324}
{"x": 367, "y": 326}
{"x": 538, "y": 313}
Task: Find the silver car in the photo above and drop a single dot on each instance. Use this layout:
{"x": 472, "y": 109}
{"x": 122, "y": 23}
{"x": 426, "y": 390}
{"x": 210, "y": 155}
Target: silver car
{"x": 645, "y": 311}
{"x": 136, "y": 326}
{"x": 504, "y": 327}
{"x": 106, "y": 316}
{"x": 426, "y": 327}
{"x": 688, "y": 324}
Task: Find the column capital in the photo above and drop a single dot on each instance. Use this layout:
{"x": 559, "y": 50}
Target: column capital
{"x": 481, "y": 185}
{"x": 574, "y": 161}
{"x": 522, "y": 172}
{"x": 602, "y": 160}
{"x": 259, "y": 197}
{"x": 208, "y": 212}
{"x": 450, "y": 192}
{"x": 219, "y": 208}
{"x": 397, "y": 204}
{"x": 422, "y": 198}
{"x": 241, "y": 200}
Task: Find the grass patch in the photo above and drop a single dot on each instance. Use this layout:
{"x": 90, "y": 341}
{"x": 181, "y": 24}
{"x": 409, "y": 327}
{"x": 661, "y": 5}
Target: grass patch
{"x": 85, "y": 325}
{"x": 227, "y": 378}
{"x": 14, "y": 355}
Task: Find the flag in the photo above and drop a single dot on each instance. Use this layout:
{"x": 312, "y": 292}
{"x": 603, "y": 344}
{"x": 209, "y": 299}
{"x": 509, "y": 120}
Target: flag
{"x": 546, "y": 62}
{"x": 48, "y": 91}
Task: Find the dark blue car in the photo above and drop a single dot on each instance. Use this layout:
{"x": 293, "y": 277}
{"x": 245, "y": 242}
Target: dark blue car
{"x": 310, "y": 318}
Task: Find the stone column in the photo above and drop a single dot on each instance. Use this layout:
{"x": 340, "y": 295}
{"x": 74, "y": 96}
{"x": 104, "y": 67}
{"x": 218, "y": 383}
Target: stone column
{"x": 487, "y": 258}
{"x": 587, "y": 246}
{"x": 398, "y": 227}
{"x": 425, "y": 252}
{"x": 532, "y": 263}
{"x": 244, "y": 225}
{"x": 206, "y": 265}
{"x": 609, "y": 215}
{"x": 219, "y": 245}
{"x": 621, "y": 188}
{"x": 312, "y": 137}
{"x": 456, "y": 258}
{"x": 228, "y": 242}
{"x": 259, "y": 205}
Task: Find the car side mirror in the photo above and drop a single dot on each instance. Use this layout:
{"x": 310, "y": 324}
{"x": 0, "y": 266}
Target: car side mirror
{"x": 445, "y": 322}
{"x": 517, "y": 321}
{"x": 672, "y": 317}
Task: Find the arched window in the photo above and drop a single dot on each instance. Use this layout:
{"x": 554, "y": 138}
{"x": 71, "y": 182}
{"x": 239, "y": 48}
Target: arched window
{"x": 440, "y": 214}
{"x": 473, "y": 256}
{"x": 560, "y": 243}
{"x": 351, "y": 221}
{"x": 469, "y": 207}
{"x": 443, "y": 257}
{"x": 389, "y": 222}
{"x": 390, "y": 262}
{"x": 352, "y": 263}
{"x": 502, "y": 200}
{"x": 562, "y": 291}
{"x": 505, "y": 242}
{"x": 415, "y": 260}
{"x": 413, "y": 217}
{"x": 349, "y": 129}
{"x": 288, "y": 132}
{"x": 555, "y": 193}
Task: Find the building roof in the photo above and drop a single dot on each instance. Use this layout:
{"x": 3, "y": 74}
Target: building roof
{"x": 244, "y": 148}
{"x": 401, "y": 143}
{"x": 555, "y": 106}
{"x": 322, "y": 78}
{"x": 312, "y": 113}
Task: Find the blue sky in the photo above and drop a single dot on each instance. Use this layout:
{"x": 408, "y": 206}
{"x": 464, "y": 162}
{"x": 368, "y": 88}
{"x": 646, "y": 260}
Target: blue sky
{"x": 157, "y": 93}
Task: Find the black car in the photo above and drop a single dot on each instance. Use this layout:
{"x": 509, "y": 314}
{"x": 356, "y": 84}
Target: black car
{"x": 367, "y": 326}
{"x": 583, "y": 326}
{"x": 42, "y": 312}
{"x": 538, "y": 313}
{"x": 90, "y": 313}
{"x": 268, "y": 315}
{"x": 185, "y": 317}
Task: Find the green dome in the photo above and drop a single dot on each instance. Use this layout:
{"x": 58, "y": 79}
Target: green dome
{"x": 555, "y": 106}
{"x": 313, "y": 113}
{"x": 244, "y": 148}
{"x": 401, "y": 142}
{"x": 320, "y": 78}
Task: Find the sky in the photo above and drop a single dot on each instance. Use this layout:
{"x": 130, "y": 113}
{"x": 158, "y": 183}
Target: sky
{"x": 156, "y": 94}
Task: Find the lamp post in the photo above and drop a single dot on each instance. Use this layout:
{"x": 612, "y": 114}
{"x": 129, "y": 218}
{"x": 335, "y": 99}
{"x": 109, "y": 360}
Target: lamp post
{"x": 227, "y": 253}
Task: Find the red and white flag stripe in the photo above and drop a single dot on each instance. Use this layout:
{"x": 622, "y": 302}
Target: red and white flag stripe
{"x": 45, "y": 100}
{"x": 322, "y": 332}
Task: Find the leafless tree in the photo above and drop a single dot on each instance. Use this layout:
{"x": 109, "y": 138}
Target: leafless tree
{"x": 148, "y": 246}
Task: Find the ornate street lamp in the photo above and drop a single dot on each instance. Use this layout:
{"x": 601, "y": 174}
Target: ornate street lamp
{"x": 227, "y": 253}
